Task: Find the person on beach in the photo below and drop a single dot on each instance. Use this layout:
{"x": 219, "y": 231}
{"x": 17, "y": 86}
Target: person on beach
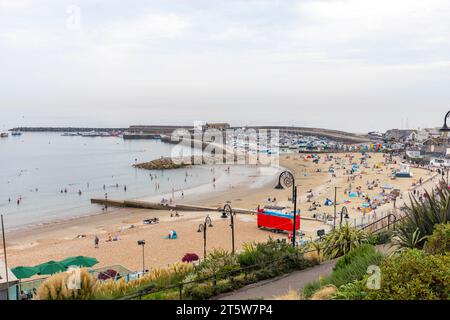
{"x": 96, "y": 241}
{"x": 125, "y": 188}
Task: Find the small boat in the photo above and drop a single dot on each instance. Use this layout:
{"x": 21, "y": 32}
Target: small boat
{"x": 4, "y": 135}
{"x": 16, "y": 133}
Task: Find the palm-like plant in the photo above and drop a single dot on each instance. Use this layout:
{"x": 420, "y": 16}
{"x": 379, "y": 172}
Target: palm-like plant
{"x": 342, "y": 240}
{"x": 422, "y": 215}
{"x": 409, "y": 240}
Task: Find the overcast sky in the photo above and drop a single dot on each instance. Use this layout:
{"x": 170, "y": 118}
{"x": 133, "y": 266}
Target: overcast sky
{"x": 355, "y": 65}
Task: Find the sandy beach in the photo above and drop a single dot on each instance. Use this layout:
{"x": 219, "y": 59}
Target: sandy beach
{"x": 59, "y": 240}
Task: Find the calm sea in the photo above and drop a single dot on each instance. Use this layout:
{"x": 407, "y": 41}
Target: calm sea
{"x": 35, "y": 167}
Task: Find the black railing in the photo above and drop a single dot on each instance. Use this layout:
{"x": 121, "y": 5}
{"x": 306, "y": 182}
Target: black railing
{"x": 391, "y": 220}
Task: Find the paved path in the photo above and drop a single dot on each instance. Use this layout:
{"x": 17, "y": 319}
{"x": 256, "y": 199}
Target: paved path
{"x": 281, "y": 285}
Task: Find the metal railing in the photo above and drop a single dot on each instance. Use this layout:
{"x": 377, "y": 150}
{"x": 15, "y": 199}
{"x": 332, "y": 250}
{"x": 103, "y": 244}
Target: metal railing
{"x": 391, "y": 220}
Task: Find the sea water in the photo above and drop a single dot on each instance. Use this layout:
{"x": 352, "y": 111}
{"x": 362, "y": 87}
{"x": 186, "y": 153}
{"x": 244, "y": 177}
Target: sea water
{"x": 36, "y": 167}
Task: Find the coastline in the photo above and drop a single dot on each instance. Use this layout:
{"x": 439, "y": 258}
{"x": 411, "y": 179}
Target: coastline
{"x": 56, "y": 241}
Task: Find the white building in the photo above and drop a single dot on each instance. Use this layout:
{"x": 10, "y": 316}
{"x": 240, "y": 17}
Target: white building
{"x": 12, "y": 285}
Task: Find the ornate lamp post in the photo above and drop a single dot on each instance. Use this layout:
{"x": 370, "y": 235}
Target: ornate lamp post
{"x": 445, "y": 130}
{"x": 202, "y": 228}
{"x": 227, "y": 211}
{"x": 287, "y": 179}
{"x": 344, "y": 212}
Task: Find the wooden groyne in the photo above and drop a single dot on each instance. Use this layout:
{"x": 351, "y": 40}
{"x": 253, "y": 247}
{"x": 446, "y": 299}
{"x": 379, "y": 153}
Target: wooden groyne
{"x": 160, "y": 206}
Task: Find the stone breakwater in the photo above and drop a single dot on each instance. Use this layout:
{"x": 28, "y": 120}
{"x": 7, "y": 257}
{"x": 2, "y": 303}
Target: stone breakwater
{"x": 177, "y": 163}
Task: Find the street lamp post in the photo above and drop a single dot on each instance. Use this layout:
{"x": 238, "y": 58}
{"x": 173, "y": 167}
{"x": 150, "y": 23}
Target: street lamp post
{"x": 227, "y": 211}
{"x": 445, "y": 130}
{"x": 287, "y": 179}
{"x": 344, "y": 212}
{"x": 142, "y": 243}
{"x": 202, "y": 228}
{"x": 334, "y": 220}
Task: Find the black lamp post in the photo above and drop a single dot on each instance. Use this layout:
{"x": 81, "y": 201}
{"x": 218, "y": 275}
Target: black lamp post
{"x": 334, "y": 219}
{"x": 227, "y": 211}
{"x": 142, "y": 243}
{"x": 287, "y": 179}
{"x": 202, "y": 228}
{"x": 445, "y": 129}
{"x": 344, "y": 212}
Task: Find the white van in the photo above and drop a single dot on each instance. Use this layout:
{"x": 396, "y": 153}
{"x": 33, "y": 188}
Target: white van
{"x": 440, "y": 162}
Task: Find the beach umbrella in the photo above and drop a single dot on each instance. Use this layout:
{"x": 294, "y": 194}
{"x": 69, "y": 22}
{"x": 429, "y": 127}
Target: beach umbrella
{"x": 80, "y": 261}
{"x": 24, "y": 272}
{"x": 50, "y": 267}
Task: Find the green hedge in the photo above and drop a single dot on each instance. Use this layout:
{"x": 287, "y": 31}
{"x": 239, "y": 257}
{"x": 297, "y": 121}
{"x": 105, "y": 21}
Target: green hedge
{"x": 350, "y": 267}
{"x": 414, "y": 275}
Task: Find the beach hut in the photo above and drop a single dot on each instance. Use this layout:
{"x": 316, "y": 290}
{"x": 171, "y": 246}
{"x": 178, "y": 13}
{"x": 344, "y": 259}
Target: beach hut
{"x": 404, "y": 171}
{"x": 8, "y": 288}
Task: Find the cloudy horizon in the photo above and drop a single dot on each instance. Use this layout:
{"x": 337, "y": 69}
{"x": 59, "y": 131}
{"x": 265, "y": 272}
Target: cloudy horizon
{"x": 352, "y": 65}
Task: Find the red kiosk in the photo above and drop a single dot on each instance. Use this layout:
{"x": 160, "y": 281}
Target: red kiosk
{"x": 274, "y": 218}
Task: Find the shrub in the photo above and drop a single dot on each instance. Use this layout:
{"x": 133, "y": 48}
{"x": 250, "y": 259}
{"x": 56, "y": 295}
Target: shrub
{"x": 219, "y": 263}
{"x": 380, "y": 237}
{"x": 199, "y": 291}
{"x": 273, "y": 254}
{"x": 422, "y": 215}
{"x": 439, "y": 241}
{"x": 342, "y": 240}
{"x": 223, "y": 285}
{"x": 56, "y": 287}
{"x": 351, "y": 267}
{"x": 422, "y": 276}
{"x": 355, "y": 290}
